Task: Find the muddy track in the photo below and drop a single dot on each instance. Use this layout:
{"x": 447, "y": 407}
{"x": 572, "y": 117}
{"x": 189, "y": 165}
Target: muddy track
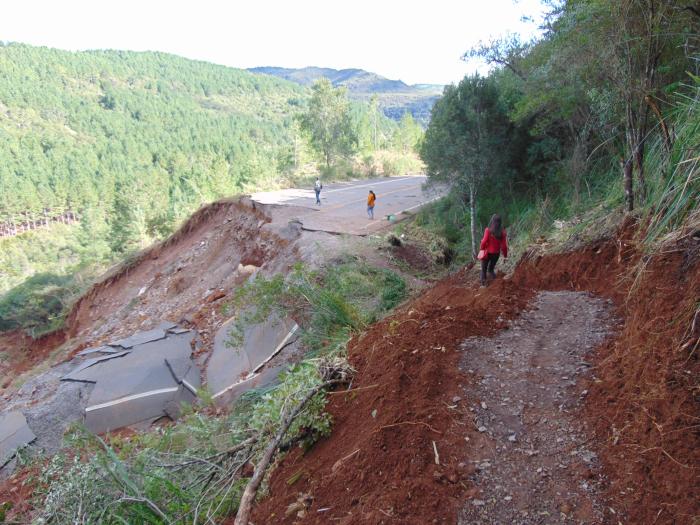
{"x": 531, "y": 451}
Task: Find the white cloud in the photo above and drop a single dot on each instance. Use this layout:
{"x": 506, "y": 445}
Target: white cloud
{"x": 414, "y": 41}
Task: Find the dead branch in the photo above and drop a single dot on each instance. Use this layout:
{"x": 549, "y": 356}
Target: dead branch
{"x": 148, "y": 503}
{"x": 408, "y": 423}
{"x": 208, "y": 460}
{"x": 251, "y": 488}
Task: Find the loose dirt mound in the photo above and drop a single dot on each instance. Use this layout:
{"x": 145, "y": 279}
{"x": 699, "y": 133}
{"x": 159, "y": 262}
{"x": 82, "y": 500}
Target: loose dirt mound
{"x": 379, "y": 464}
{"x": 413, "y": 257}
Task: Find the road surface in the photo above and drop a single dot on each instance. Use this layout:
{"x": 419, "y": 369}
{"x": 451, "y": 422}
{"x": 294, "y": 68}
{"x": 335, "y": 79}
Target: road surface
{"x": 343, "y": 206}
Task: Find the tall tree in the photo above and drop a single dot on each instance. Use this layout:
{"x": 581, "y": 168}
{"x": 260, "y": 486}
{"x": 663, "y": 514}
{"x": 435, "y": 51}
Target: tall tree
{"x": 328, "y": 121}
{"x": 462, "y": 145}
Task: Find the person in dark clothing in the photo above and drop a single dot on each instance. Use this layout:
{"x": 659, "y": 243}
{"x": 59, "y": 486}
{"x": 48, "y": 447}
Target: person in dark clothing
{"x": 493, "y": 243}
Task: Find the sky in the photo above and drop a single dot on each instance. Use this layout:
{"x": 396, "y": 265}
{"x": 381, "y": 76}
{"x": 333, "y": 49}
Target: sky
{"x": 414, "y": 41}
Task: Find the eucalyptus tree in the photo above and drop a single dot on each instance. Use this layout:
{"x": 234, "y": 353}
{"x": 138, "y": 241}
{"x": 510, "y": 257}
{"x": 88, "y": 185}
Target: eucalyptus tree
{"x": 463, "y": 145}
{"x": 328, "y": 121}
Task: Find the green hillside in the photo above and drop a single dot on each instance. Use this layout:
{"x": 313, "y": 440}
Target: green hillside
{"x": 88, "y": 129}
{"x": 104, "y": 152}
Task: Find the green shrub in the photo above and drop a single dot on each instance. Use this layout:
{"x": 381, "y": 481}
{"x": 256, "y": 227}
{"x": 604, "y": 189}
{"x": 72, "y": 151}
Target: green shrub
{"x": 38, "y": 305}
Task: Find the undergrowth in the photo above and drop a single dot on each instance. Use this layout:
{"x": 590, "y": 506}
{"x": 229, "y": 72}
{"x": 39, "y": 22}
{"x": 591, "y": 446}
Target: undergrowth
{"x": 329, "y": 304}
{"x": 188, "y": 472}
{"x": 667, "y": 205}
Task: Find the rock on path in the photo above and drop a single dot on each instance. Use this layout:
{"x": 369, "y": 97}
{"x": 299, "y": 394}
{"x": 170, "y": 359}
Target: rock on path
{"x": 532, "y": 455}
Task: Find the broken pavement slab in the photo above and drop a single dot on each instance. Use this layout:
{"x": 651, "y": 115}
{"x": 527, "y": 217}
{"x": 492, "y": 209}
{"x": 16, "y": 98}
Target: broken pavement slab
{"x": 229, "y": 367}
{"x": 78, "y": 373}
{"x": 141, "y": 386}
{"x": 98, "y": 350}
{"x": 140, "y": 338}
{"x": 14, "y": 434}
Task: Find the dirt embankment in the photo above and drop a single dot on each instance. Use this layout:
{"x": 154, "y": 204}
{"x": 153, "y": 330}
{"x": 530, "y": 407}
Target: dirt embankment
{"x": 213, "y": 252}
{"x": 379, "y": 465}
{"x": 182, "y": 279}
{"x": 22, "y": 352}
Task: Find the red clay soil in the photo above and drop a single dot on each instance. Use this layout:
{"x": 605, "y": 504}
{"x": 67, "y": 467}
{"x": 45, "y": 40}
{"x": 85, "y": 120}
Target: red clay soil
{"x": 378, "y": 466}
{"x": 16, "y": 495}
{"x": 21, "y": 352}
{"x": 413, "y": 256}
{"x": 644, "y": 403}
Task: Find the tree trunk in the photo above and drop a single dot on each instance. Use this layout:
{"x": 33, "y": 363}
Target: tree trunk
{"x": 639, "y": 163}
{"x": 472, "y": 215}
{"x": 627, "y": 180}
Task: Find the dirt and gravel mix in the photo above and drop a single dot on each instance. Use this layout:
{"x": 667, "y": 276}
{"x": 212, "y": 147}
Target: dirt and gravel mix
{"x": 531, "y": 451}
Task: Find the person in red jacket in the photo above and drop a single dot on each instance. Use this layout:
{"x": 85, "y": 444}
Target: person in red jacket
{"x": 494, "y": 243}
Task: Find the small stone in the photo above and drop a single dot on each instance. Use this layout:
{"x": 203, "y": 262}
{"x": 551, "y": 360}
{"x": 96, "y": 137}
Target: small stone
{"x": 483, "y": 405}
{"x": 512, "y": 438}
{"x": 482, "y": 429}
{"x": 374, "y": 413}
{"x": 478, "y": 502}
{"x": 456, "y": 399}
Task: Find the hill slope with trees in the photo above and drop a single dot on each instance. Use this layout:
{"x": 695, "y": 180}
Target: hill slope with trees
{"x": 394, "y": 96}
{"x": 104, "y": 152}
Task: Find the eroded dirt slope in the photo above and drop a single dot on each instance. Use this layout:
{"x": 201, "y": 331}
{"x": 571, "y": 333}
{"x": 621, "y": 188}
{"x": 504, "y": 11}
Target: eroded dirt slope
{"x": 214, "y": 251}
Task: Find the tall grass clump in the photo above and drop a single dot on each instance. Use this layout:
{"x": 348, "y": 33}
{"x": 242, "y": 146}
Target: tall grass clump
{"x": 674, "y": 190}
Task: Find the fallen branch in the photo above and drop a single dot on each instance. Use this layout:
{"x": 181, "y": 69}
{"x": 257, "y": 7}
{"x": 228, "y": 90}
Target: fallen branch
{"x": 148, "y": 503}
{"x": 229, "y": 452}
{"x": 251, "y": 489}
{"x": 339, "y": 463}
{"x": 408, "y": 423}
{"x": 348, "y": 391}
{"x": 437, "y": 456}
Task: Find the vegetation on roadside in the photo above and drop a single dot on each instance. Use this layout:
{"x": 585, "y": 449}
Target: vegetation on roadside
{"x": 329, "y": 304}
{"x": 599, "y": 112}
{"x": 190, "y": 472}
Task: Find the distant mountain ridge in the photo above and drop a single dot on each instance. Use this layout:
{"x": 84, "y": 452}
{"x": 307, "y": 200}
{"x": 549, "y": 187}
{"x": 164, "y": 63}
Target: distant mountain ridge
{"x": 395, "y": 96}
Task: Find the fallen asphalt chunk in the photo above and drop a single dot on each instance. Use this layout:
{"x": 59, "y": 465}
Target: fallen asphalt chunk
{"x": 141, "y": 386}
{"x": 228, "y": 367}
{"x": 140, "y": 338}
{"x": 14, "y": 434}
{"x": 167, "y": 326}
{"x": 98, "y": 350}
{"x": 77, "y": 373}
{"x": 185, "y": 373}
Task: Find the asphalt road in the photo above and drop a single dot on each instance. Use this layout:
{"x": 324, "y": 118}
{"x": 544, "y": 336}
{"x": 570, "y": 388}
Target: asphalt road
{"x": 343, "y": 206}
